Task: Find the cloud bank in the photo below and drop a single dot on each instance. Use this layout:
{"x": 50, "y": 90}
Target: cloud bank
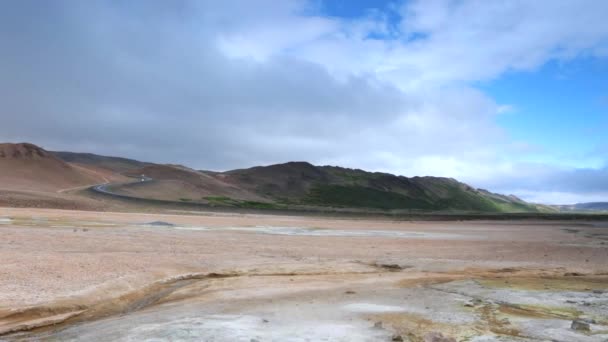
{"x": 220, "y": 85}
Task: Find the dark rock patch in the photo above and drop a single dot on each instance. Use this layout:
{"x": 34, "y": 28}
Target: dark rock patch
{"x": 160, "y": 224}
{"x": 579, "y": 325}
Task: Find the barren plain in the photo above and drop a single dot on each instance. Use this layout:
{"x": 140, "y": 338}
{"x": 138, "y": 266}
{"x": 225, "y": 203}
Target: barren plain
{"x": 93, "y": 276}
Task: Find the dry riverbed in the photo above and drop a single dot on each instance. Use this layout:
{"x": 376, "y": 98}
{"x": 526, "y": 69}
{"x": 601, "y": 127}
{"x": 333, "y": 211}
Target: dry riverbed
{"x": 88, "y": 276}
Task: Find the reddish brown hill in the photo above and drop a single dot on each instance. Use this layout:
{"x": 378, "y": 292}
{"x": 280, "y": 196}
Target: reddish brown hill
{"x": 28, "y": 167}
{"x": 112, "y": 164}
{"x": 175, "y": 182}
{"x": 167, "y": 172}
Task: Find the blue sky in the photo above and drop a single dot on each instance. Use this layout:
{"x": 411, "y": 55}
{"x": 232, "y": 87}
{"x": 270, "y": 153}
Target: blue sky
{"x": 561, "y": 108}
{"x": 511, "y": 96}
{"x": 354, "y": 8}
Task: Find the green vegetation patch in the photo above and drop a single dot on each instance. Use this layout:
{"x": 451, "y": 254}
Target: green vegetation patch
{"x": 227, "y": 201}
{"x": 221, "y": 201}
{"x": 465, "y": 201}
{"x": 260, "y": 205}
{"x": 516, "y": 207}
{"x": 459, "y": 199}
{"x": 362, "y": 197}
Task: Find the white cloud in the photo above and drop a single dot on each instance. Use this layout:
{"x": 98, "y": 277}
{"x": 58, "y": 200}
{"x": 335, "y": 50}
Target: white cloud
{"x": 458, "y": 40}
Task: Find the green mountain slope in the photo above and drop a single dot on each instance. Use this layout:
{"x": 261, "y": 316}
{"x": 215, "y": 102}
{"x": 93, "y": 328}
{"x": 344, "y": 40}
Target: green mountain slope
{"x": 302, "y": 183}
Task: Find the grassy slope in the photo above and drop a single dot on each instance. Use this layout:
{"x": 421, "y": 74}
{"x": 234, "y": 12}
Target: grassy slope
{"x": 303, "y": 183}
{"x": 361, "y": 197}
{"x": 386, "y": 191}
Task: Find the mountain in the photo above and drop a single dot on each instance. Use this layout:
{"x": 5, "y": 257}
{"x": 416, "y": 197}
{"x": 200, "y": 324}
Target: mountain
{"x": 289, "y": 185}
{"x": 26, "y": 166}
{"x": 301, "y": 183}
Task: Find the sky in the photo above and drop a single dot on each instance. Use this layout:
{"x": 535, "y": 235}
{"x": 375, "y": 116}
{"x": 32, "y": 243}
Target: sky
{"x": 509, "y": 96}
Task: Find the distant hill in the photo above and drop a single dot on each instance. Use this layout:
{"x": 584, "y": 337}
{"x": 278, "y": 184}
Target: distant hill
{"x": 26, "y": 166}
{"x": 590, "y": 206}
{"x": 305, "y": 184}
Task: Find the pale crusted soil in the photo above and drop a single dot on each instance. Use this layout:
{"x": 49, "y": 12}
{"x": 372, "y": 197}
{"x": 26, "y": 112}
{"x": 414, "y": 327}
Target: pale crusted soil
{"x": 71, "y": 261}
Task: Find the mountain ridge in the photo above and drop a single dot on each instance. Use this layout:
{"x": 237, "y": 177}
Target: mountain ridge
{"x": 305, "y": 183}
{"x": 296, "y": 184}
